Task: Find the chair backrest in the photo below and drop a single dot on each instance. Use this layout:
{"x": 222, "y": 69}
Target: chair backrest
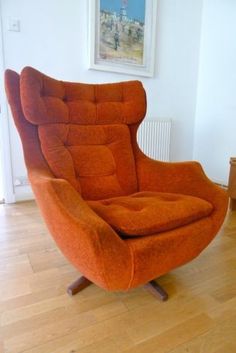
{"x": 84, "y": 130}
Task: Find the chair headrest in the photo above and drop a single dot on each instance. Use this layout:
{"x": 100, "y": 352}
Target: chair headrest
{"x": 46, "y": 101}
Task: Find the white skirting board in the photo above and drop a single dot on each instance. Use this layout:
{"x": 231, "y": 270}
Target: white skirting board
{"x": 23, "y": 193}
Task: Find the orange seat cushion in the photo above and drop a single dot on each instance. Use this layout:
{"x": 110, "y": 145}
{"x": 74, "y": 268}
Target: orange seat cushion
{"x": 146, "y": 213}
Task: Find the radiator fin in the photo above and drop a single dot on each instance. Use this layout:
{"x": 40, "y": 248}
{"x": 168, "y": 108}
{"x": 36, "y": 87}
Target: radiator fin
{"x": 154, "y": 139}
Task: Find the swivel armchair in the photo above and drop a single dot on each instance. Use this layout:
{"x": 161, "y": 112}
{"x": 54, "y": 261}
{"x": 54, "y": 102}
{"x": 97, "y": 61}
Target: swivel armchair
{"x": 120, "y": 217}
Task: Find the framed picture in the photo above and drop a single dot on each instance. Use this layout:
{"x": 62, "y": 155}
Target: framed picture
{"x": 122, "y": 36}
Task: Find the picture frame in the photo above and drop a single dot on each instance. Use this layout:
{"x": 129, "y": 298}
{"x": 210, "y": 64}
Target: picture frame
{"x": 122, "y": 36}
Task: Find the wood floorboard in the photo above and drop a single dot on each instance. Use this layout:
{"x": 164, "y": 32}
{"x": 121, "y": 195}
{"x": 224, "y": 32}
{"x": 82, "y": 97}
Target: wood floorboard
{"x": 37, "y": 316}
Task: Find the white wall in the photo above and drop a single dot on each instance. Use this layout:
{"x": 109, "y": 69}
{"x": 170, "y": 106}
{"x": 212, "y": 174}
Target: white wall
{"x": 215, "y": 130}
{"x": 53, "y": 39}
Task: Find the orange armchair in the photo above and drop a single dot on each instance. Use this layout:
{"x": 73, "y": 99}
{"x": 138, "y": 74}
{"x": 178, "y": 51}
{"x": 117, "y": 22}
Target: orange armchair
{"x": 120, "y": 217}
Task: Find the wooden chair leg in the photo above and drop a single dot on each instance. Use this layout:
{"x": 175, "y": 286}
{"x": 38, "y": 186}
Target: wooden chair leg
{"x": 78, "y": 285}
{"x": 157, "y": 290}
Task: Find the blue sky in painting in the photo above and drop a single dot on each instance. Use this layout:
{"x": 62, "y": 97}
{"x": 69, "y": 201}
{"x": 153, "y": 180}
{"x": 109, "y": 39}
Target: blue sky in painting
{"x": 135, "y": 9}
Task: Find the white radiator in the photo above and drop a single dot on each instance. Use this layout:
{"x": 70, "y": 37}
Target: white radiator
{"x": 154, "y": 139}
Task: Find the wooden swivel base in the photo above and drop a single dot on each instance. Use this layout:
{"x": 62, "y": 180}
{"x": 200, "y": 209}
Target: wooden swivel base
{"x": 77, "y": 286}
{"x": 82, "y": 282}
{"x": 157, "y": 290}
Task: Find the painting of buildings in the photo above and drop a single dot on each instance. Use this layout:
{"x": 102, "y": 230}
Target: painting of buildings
{"x": 121, "y": 31}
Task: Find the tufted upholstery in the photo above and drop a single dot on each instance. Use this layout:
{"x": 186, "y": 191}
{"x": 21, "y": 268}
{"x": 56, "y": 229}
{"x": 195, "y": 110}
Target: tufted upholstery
{"x": 146, "y": 213}
{"x": 46, "y": 100}
{"x": 83, "y": 131}
{"x": 97, "y": 160}
{"x": 92, "y": 182}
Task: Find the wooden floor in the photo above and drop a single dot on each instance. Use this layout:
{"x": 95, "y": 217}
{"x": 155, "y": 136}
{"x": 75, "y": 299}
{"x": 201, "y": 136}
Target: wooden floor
{"x": 37, "y": 316}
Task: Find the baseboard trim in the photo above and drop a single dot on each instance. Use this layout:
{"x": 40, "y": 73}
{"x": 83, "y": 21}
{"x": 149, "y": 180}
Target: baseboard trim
{"x": 23, "y": 193}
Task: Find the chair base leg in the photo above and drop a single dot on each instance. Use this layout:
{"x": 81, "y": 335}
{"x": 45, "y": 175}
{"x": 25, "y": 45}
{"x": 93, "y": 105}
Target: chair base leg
{"x": 157, "y": 290}
{"x": 82, "y": 283}
{"x": 78, "y": 285}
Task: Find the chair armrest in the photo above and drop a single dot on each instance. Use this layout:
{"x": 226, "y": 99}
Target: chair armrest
{"x": 184, "y": 178}
{"x": 177, "y": 177}
{"x": 84, "y": 238}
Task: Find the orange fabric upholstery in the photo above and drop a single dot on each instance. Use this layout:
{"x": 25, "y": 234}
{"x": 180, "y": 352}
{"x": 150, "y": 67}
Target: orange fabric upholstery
{"x": 80, "y": 149}
{"x": 97, "y": 160}
{"x": 146, "y": 213}
{"x": 83, "y": 131}
{"x": 46, "y": 100}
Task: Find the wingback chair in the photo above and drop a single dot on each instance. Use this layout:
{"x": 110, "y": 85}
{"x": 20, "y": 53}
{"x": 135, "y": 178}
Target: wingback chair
{"x": 120, "y": 217}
